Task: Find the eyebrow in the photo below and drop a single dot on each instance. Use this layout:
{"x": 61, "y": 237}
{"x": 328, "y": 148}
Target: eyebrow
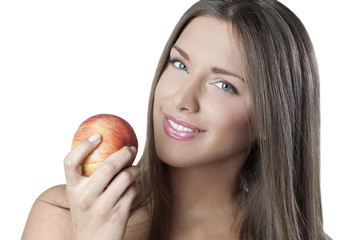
{"x": 213, "y": 69}
{"x": 182, "y": 53}
{"x": 225, "y": 72}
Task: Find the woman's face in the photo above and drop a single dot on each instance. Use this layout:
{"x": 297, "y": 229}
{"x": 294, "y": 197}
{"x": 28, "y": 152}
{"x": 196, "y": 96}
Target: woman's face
{"x": 202, "y": 104}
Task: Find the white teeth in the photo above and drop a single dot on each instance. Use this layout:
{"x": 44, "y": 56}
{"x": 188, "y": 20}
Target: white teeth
{"x": 187, "y": 129}
{"x": 181, "y": 128}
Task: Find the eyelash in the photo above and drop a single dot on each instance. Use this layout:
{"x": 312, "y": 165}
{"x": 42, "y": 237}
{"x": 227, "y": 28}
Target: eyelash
{"x": 172, "y": 61}
{"x": 232, "y": 90}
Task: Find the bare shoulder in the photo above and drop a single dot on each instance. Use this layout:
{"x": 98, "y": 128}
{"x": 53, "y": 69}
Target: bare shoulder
{"x": 138, "y": 225}
{"x": 49, "y": 217}
{"x": 55, "y": 196}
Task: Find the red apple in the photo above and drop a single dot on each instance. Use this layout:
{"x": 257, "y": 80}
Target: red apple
{"x": 115, "y": 134}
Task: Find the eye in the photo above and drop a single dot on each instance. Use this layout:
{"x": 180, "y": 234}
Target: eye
{"x": 179, "y": 65}
{"x": 227, "y": 87}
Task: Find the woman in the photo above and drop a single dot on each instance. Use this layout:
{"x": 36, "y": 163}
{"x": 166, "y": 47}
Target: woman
{"x": 232, "y": 150}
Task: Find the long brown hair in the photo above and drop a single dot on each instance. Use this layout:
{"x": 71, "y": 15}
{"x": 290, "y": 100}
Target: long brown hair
{"x": 279, "y": 184}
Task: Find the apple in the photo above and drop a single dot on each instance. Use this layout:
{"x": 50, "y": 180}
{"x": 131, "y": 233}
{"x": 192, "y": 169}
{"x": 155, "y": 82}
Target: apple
{"x": 115, "y": 134}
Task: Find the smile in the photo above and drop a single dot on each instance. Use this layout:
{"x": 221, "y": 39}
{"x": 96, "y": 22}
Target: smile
{"x": 180, "y": 130}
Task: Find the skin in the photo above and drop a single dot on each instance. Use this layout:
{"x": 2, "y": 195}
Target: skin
{"x": 203, "y": 168}
{"x": 100, "y": 204}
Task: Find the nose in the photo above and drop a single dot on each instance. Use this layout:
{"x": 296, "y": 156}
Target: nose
{"x": 186, "y": 98}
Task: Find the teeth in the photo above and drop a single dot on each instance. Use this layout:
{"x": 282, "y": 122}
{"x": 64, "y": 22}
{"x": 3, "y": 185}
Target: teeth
{"x": 181, "y": 128}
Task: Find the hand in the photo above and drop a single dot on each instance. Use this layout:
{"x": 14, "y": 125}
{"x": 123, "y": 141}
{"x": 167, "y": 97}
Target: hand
{"x": 100, "y": 204}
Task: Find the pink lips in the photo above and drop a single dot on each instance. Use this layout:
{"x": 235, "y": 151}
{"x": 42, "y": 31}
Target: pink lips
{"x": 180, "y": 135}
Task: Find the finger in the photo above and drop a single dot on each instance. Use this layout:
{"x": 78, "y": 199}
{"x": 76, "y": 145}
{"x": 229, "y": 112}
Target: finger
{"x": 128, "y": 151}
{"x": 123, "y": 206}
{"x": 121, "y": 212}
{"x": 73, "y": 160}
{"x": 110, "y": 168}
{"x": 119, "y": 186}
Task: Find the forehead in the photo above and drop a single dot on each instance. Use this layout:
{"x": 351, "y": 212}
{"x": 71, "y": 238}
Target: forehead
{"x": 212, "y": 39}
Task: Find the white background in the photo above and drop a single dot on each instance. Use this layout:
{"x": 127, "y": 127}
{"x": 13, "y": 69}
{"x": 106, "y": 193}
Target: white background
{"x": 63, "y": 61}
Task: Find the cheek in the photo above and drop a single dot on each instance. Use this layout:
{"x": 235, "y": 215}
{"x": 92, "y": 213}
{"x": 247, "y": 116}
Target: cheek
{"x": 157, "y": 108}
{"x": 233, "y": 124}
{"x": 237, "y": 129}
{"x": 161, "y": 93}
{"x": 168, "y": 82}
{"x": 161, "y": 96}
{"x": 166, "y": 88}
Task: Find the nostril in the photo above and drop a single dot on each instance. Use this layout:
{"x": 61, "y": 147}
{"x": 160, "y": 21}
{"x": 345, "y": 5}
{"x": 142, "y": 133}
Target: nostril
{"x": 187, "y": 105}
{"x": 186, "y": 98}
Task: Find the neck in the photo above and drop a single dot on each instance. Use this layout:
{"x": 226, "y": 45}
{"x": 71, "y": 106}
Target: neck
{"x": 205, "y": 191}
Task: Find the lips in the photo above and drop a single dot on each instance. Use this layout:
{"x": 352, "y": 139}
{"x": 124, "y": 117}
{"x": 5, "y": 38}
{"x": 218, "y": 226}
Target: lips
{"x": 180, "y": 130}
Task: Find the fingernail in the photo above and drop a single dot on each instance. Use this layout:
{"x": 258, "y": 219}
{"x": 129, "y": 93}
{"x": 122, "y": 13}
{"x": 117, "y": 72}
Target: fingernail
{"x": 133, "y": 149}
{"x": 94, "y": 137}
